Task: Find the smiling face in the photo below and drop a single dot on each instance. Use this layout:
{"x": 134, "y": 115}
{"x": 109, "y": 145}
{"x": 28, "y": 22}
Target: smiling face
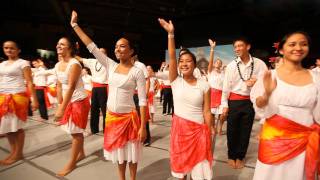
{"x": 186, "y": 64}
{"x": 63, "y": 47}
{"x": 11, "y": 49}
{"x": 241, "y": 48}
{"x": 218, "y": 64}
{"x": 295, "y": 48}
{"x": 123, "y": 51}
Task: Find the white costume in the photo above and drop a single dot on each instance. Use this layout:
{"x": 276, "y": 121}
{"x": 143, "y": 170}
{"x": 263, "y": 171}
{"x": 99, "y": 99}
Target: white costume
{"x": 300, "y": 104}
{"x": 120, "y": 100}
{"x": 78, "y": 94}
{"x": 216, "y": 81}
{"x": 11, "y": 82}
{"x": 190, "y": 106}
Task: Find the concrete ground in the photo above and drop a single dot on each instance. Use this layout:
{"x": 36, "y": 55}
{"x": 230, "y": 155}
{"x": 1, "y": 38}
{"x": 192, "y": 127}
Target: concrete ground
{"x": 47, "y": 150}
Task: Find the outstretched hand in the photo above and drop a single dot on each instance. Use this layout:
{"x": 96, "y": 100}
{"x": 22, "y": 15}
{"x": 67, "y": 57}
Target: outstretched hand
{"x": 168, "y": 26}
{"x": 269, "y": 83}
{"x": 74, "y": 18}
{"x": 212, "y": 43}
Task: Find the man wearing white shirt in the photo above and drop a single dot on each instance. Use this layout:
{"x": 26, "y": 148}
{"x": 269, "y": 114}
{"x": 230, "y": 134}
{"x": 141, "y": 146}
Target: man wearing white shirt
{"x": 99, "y": 96}
{"x": 240, "y": 76}
{"x": 40, "y": 82}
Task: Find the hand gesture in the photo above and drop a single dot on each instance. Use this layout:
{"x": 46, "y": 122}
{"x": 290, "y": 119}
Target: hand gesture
{"x": 74, "y": 18}
{"x": 269, "y": 83}
{"x": 224, "y": 114}
{"x": 212, "y": 43}
{"x": 251, "y": 82}
{"x": 168, "y": 26}
{"x": 59, "y": 113}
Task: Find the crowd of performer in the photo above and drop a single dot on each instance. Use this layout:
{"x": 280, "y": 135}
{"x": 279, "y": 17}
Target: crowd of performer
{"x": 285, "y": 98}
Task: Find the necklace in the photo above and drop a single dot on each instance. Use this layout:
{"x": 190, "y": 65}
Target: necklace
{"x": 252, "y": 67}
{"x": 98, "y": 69}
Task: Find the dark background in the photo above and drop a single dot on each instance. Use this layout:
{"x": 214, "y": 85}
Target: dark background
{"x": 40, "y": 23}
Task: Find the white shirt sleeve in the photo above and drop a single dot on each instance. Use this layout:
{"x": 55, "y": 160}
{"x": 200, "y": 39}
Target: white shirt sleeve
{"x": 162, "y": 75}
{"x": 316, "y": 109}
{"x": 141, "y": 86}
{"x": 226, "y": 86}
{"x": 101, "y": 57}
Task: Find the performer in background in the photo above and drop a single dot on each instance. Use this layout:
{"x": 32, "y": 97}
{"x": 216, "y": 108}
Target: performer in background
{"x": 215, "y": 80}
{"x": 239, "y": 78}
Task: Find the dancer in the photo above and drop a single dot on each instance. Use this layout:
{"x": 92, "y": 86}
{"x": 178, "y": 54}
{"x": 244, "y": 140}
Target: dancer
{"x": 167, "y": 106}
{"x": 124, "y": 131}
{"x": 73, "y": 100}
{"x": 216, "y": 84}
{"x": 99, "y": 94}
{"x": 87, "y": 80}
{"x": 14, "y": 101}
{"x": 152, "y": 92}
{"x": 239, "y": 78}
{"x": 40, "y": 82}
{"x": 290, "y": 99}
{"x": 190, "y": 141}
{"x": 317, "y": 68}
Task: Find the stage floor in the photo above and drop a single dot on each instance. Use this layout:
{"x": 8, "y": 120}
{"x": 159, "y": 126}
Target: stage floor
{"x": 47, "y": 150}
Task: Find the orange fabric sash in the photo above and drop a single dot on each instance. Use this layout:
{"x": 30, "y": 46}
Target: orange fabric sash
{"x": 120, "y": 128}
{"x": 78, "y": 112}
{"x": 150, "y": 98}
{"x": 52, "y": 91}
{"x": 190, "y": 144}
{"x": 234, "y": 96}
{"x": 216, "y": 95}
{"x": 14, "y": 103}
{"x": 282, "y": 139}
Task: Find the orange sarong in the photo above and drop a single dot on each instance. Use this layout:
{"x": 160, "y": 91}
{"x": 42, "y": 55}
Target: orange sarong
{"x": 216, "y": 95}
{"x": 190, "y": 144}
{"x": 282, "y": 139}
{"x": 78, "y": 112}
{"x": 14, "y": 103}
{"x": 52, "y": 91}
{"x": 120, "y": 128}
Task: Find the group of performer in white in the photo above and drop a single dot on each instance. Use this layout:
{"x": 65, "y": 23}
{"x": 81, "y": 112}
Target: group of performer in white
{"x": 286, "y": 98}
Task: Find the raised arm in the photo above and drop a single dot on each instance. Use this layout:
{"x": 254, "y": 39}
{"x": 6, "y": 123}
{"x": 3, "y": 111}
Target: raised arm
{"x": 212, "y": 46}
{"x": 168, "y": 26}
{"x": 101, "y": 57}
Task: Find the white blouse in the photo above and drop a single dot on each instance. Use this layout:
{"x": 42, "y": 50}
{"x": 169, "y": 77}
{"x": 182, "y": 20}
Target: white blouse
{"x": 297, "y": 103}
{"x": 63, "y": 77}
{"x": 11, "y": 76}
{"x": 121, "y": 86}
{"x": 188, "y": 100}
{"x": 216, "y": 80}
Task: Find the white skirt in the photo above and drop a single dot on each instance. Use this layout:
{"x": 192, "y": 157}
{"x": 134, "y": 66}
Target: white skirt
{"x": 152, "y": 108}
{"x": 200, "y": 171}
{"x": 10, "y": 123}
{"x": 288, "y": 170}
{"x": 131, "y": 152}
{"x": 71, "y": 128}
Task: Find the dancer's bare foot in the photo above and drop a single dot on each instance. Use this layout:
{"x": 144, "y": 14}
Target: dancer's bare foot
{"x": 232, "y": 163}
{"x": 68, "y": 169}
{"x": 10, "y": 160}
{"x": 239, "y": 164}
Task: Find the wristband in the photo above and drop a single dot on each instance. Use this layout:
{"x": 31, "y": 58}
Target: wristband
{"x": 73, "y": 25}
{"x": 170, "y": 35}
